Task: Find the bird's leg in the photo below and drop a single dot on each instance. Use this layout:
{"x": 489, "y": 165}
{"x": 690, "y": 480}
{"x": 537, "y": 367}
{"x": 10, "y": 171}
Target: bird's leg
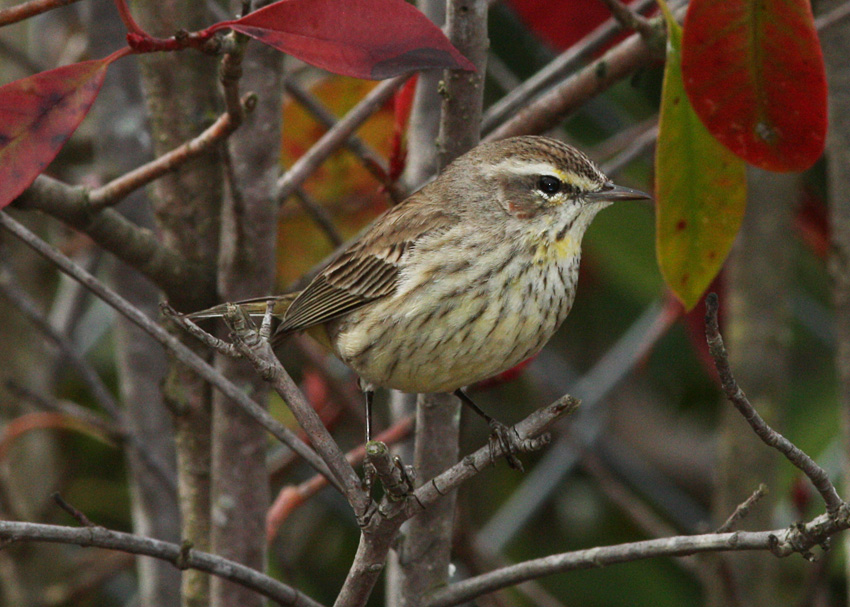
{"x": 370, "y": 397}
{"x": 369, "y": 471}
{"x": 499, "y": 433}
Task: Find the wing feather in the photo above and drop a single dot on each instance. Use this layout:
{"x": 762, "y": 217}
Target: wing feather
{"x": 369, "y": 268}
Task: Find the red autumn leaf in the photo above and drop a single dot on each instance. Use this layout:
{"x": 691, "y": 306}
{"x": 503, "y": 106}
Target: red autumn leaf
{"x": 373, "y": 39}
{"x": 37, "y": 116}
{"x": 753, "y": 70}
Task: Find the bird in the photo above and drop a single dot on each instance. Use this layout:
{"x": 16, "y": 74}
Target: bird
{"x": 466, "y": 278}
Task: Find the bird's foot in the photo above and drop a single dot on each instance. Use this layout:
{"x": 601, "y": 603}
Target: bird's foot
{"x": 507, "y": 440}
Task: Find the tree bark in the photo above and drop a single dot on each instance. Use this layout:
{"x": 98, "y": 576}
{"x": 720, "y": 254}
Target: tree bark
{"x": 181, "y": 92}
{"x": 758, "y": 321}
{"x": 836, "y": 46}
{"x": 240, "y": 488}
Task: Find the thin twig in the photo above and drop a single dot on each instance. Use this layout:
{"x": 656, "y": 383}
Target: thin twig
{"x": 552, "y": 108}
{"x": 139, "y": 248}
{"x": 79, "y": 516}
{"x": 631, "y": 19}
{"x": 13, "y": 14}
{"x": 116, "y": 190}
{"x": 370, "y": 159}
{"x": 179, "y": 556}
{"x": 556, "y": 70}
{"x": 742, "y": 510}
{"x": 780, "y": 542}
{"x": 260, "y": 354}
{"x": 831, "y": 18}
{"x": 69, "y": 408}
{"x": 87, "y": 373}
{"x": 319, "y": 215}
{"x": 335, "y": 137}
{"x": 816, "y": 474}
{"x": 171, "y": 343}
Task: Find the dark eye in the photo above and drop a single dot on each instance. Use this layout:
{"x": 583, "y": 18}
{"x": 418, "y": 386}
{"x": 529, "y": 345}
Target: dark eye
{"x": 549, "y": 185}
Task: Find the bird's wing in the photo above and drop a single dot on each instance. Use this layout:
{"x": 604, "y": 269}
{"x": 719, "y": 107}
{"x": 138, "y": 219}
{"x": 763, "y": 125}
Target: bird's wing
{"x": 369, "y": 268}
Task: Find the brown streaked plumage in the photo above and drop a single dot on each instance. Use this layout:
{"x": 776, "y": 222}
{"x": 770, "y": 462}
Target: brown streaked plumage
{"x": 464, "y": 279}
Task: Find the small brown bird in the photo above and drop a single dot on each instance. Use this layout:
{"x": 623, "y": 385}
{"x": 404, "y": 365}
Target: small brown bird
{"x": 466, "y": 278}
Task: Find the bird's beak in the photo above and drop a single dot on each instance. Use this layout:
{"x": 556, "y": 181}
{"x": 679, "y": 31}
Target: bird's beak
{"x": 614, "y": 193}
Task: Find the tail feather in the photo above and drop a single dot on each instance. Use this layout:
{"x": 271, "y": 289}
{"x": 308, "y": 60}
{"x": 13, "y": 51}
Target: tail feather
{"x": 254, "y": 307}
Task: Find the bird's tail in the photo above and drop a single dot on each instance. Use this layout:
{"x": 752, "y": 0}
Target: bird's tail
{"x": 255, "y": 307}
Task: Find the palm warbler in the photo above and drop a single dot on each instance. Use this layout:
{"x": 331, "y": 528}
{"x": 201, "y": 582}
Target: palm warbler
{"x": 466, "y": 278}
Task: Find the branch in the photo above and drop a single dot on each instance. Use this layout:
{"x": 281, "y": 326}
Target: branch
{"x": 556, "y": 70}
{"x": 529, "y": 430}
{"x": 22, "y": 301}
{"x": 29, "y": 9}
{"x": 335, "y": 137}
{"x": 182, "y": 353}
{"x": 259, "y": 353}
{"x": 781, "y": 542}
{"x": 552, "y": 108}
{"x": 367, "y": 156}
{"x": 816, "y": 474}
{"x": 631, "y": 19}
{"x": 291, "y": 497}
{"x": 114, "y": 192}
{"x": 137, "y": 247}
{"x": 182, "y": 557}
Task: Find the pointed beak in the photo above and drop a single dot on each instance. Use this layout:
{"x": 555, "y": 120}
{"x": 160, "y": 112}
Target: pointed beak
{"x": 615, "y": 193}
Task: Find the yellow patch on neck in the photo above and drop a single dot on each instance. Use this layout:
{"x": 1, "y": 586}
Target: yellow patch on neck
{"x": 551, "y": 251}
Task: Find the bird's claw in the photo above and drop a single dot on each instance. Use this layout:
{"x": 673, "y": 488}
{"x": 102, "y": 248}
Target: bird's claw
{"x": 508, "y": 441}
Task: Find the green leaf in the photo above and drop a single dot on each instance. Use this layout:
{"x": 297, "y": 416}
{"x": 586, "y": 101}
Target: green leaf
{"x": 700, "y": 189}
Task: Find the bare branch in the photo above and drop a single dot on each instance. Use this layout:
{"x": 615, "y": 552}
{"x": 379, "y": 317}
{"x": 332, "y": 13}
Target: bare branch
{"x": 319, "y": 216}
{"x": 552, "y": 108}
{"x": 179, "y": 556}
{"x": 171, "y": 343}
{"x": 137, "y": 247}
{"x": 816, "y": 474}
{"x": 13, "y": 14}
{"x": 742, "y": 510}
{"x": 259, "y": 353}
{"x": 335, "y": 137}
{"x": 367, "y": 156}
{"x": 557, "y": 69}
{"x": 780, "y": 542}
{"x": 114, "y": 192}
{"x": 631, "y": 19}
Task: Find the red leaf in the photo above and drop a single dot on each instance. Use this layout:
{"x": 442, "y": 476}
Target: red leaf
{"x": 754, "y": 72}
{"x": 37, "y": 116}
{"x": 372, "y": 39}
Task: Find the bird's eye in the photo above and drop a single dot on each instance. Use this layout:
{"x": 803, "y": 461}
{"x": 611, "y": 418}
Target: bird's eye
{"x": 549, "y": 185}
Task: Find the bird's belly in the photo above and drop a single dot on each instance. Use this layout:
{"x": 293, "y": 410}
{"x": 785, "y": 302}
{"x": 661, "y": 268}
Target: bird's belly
{"x": 459, "y": 340}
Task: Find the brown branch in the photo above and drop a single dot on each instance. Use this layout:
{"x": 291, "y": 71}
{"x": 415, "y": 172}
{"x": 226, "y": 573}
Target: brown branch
{"x": 137, "y": 247}
{"x": 181, "y": 557}
{"x": 29, "y": 9}
{"x": 259, "y": 353}
{"x": 335, "y": 137}
{"x": 816, "y": 474}
{"x": 780, "y": 542}
{"x": 291, "y": 498}
{"x": 553, "y": 108}
{"x": 743, "y": 509}
{"x": 554, "y": 71}
{"x": 73, "y": 511}
{"x": 114, "y": 192}
{"x": 632, "y": 20}
{"x": 319, "y": 215}
{"x": 367, "y": 156}
{"x": 168, "y": 341}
